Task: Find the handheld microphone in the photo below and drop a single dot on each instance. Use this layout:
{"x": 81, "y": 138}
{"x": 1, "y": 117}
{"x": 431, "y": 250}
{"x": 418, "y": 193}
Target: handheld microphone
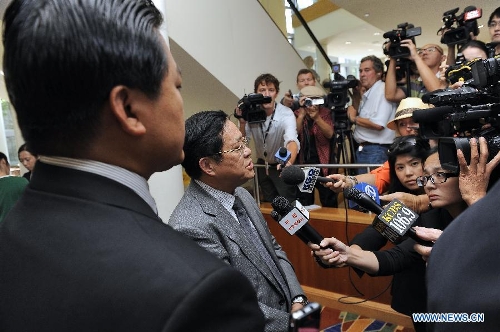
{"x": 368, "y": 189}
{"x": 295, "y": 220}
{"x": 394, "y": 222}
{"x": 305, "y": 178}
{"x": 282, "y": 156}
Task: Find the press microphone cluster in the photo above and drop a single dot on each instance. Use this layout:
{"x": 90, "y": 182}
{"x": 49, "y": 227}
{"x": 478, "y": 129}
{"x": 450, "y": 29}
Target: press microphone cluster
{"x": 305, "y": 178}
{"x": 394, "y": 222}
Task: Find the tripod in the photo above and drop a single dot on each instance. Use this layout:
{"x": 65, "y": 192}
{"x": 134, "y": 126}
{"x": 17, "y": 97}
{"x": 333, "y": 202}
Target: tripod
{"x": 344, "y": 144}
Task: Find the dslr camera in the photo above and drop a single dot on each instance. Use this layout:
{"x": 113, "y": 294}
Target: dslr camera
{"x": 403, "y": 31}
{"x": 470, "y": 111}
{"x": 465, "y": 23}
{"x": 251, "y": 108}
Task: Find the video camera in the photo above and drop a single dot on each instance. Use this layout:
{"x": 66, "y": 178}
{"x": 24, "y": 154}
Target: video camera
{"x": 465, "y": 24}
{"x": 337, "y": 98}
{"x": 403, "y": 31}
{"x": 251, "y": 108}
{"x": 470, "y": 111}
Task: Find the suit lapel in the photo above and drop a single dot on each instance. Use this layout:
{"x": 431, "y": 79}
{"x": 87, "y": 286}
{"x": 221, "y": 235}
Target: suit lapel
{"x": 234, "y": 231}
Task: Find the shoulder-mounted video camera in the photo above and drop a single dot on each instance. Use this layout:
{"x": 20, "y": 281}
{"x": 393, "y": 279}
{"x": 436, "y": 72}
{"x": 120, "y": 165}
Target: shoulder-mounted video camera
{"x": 403, "y": 31}
{"x": 338, "y": 97}
{"x": 465, "y": 23}
{"x": 470, "y": 111}
{"x": 251, "y": 107}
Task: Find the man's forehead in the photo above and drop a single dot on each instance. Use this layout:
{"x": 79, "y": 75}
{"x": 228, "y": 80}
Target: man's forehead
{"x": 268, "y": 85}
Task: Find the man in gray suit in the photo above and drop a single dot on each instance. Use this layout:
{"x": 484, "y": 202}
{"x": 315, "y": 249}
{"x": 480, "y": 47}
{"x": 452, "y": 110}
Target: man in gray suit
{"x": 218, "y": 160}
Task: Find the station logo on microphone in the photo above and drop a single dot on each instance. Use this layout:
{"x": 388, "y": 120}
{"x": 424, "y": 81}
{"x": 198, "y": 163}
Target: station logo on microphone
{"x": 395, "y": 220}
{"x": 295, "y": 219}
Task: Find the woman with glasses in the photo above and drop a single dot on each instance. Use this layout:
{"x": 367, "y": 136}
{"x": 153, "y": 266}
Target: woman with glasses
{"x": 402, "y": 261}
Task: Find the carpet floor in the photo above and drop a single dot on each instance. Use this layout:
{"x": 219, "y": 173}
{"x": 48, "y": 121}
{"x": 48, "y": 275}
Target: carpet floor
{"x": 333, "y": 320}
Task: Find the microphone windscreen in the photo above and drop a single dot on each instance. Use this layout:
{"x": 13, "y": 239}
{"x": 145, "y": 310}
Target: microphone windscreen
{"x": 281, "y": 205}
{"x": 292, "y": 175}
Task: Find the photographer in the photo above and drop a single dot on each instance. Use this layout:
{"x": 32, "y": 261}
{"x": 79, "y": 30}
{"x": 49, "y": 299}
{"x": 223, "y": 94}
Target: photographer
{"x": 278, "y": 130}
{"x": 316, "y": 132}
{"x": 305, "y": 77}
{"x": 427, "y": 60}
{"x": 371, "y": 134}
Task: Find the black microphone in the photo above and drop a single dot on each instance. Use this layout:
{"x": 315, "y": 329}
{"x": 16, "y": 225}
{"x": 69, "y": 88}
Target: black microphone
{"x": 394, "y": 222}
{"x": 305, "y": 178}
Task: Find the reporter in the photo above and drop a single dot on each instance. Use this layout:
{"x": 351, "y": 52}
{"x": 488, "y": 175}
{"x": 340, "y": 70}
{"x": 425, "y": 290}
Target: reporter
{"x": 402, "y": 261}
{"x": 462, "y": 272}
{"x": 380, "y": 177}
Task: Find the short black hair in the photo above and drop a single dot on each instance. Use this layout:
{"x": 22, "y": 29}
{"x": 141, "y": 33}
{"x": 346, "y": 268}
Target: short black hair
{"x": 496, "y": 13}
{"x": 62, "y": 58}
{"x": 204, "y": 131}
{"x": 4, "y": 157}
{"x": 414, "y": 146}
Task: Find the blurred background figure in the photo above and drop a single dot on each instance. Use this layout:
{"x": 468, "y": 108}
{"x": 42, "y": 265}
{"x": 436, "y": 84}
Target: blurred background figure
{"x": 11, "y": 187}
{"x": 28, "y": 159}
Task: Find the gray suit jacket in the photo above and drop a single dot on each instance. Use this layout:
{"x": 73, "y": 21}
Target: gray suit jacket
{"x": 201, "y": 217}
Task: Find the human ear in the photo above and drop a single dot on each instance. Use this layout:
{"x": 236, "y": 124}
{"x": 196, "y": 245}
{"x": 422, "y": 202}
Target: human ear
{"x": 124, "y": 104}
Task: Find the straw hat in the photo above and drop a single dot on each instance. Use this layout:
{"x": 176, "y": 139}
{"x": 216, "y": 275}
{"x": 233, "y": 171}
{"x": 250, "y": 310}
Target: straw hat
{"x": 312, "y": 91}
{"x": 405, "y": 110}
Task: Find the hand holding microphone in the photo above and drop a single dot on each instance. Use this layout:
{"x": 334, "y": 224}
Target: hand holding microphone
{"x": 303, "y": 178}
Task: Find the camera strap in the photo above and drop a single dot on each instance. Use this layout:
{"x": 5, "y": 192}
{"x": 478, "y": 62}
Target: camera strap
{"x": 264, "y": 137}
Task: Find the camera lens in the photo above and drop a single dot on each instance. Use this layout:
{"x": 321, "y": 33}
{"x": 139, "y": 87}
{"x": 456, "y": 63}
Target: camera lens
{"x": 308, "y": 102}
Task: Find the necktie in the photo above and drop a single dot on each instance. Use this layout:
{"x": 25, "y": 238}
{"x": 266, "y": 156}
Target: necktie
{"x": 254, "y": 237}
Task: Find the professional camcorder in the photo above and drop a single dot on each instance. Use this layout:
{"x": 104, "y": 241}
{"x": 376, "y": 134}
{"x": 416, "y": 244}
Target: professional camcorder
{"x": 337, "y": 99}
{"x": 465, "y": 23}
{"x": 470, "y": 111}
{"x": 251, "y": 107}
{"x": 403, "y": 31}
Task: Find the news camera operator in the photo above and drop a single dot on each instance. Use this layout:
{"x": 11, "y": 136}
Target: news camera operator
{"x": 275, "y": 128}
{"x": 370, "y": 133}
{"x": 456, "y": 74}
{"x": 427, "y": 60}
{"x": 305, "y": 77}
{"x": 402, "y": 261}
{"x": 316, "y": 132}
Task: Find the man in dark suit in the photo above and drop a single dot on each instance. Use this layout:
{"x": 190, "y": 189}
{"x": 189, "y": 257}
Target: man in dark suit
{"x": 224, "y": 218}
{"x": 96, "y": 92}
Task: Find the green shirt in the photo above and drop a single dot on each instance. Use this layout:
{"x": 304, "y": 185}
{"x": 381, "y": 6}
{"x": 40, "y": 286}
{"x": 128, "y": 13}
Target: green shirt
{"x": 11, "y": 188}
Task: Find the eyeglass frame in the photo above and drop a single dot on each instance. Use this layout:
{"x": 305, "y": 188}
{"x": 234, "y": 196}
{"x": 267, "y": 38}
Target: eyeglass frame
{"x": 244, "y": 143}
{"x": 428, "y": 50}
{"x": 493, "y": 24}
{"x": 422, "y": 183}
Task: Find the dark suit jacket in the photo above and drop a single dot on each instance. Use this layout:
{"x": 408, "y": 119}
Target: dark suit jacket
{"x": 81, "y": 252}
{"x": 463, "y": 271}
{"x": 205, "y": 220}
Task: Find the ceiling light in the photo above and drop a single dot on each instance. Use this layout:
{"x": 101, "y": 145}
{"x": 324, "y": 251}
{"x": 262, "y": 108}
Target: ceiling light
{"x": 376, "y": 34}
{"x": 348, "y": 43}
{"x": 367, "y": 14}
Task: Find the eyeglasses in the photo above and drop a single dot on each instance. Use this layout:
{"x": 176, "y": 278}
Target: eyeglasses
{"x": 439, "y": 177}
{"x": 428, "y": 50}
{"x": 241, "y": 148}
{"x": 493, "y": 24}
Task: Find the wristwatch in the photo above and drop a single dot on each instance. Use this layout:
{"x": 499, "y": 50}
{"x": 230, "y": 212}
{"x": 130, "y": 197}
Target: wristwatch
{"x": 300, "y": 299}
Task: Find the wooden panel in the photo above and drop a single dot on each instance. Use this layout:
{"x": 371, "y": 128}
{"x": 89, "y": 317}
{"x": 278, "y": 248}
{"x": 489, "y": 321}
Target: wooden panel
{"x": 331, "y": 222}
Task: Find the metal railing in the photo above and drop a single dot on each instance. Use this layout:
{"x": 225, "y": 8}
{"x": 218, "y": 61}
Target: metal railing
{"x": 256, "y": 192}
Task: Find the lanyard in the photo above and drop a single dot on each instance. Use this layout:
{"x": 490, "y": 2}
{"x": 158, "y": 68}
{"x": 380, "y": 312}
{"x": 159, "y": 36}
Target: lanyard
{"x": 264, "y": 135}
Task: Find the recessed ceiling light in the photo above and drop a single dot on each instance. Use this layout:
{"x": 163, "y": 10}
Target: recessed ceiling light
{"x": 348, "y": 43}
{"x": 367, "y": 14}
{"x": 376, "y": 34}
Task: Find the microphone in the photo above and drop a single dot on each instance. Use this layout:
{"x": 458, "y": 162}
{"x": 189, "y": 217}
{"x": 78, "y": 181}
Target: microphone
{"x": 305, "y": 178}
{"x": 295, "y": 220}
{"x": 282, "y": 156}
{"x": 368, "y": 189}
{"x": 394, "y": 221}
